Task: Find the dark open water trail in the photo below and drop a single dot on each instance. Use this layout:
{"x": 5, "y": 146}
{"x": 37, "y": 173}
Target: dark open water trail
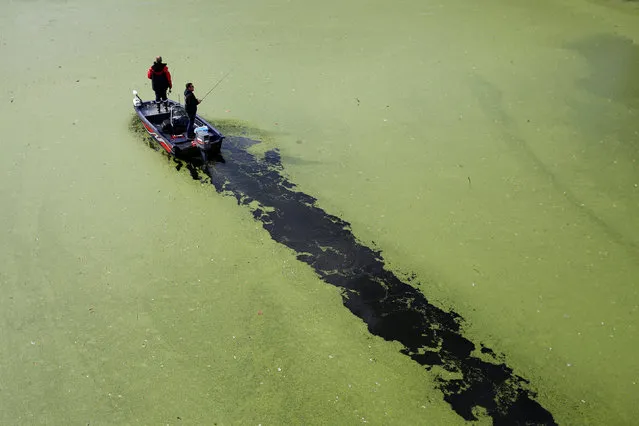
{"x": 391, "y": 308}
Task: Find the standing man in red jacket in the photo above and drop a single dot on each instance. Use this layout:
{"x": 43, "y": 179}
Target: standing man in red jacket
{"x": 160, "y": 79}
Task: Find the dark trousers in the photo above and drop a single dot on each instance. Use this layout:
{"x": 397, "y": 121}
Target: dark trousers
{"x": 190, "y": 128}
{"x": 160, "y": 95}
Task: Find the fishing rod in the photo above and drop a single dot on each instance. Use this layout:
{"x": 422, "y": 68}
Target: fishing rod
{"x": 216, "y": 84}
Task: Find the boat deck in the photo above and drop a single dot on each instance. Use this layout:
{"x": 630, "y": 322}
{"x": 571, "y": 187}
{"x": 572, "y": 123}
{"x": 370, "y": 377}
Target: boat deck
{"x": 150, "y": 111}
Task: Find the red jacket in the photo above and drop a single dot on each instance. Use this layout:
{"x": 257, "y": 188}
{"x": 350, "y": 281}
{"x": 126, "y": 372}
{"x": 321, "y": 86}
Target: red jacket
{"x": 160, "y": 77}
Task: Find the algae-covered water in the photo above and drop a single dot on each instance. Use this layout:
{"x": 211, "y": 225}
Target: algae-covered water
{"x": 439, "y": 188}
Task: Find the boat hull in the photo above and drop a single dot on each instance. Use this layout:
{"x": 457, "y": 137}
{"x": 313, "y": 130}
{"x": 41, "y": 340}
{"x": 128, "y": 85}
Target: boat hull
{"x": 154, "y": 118}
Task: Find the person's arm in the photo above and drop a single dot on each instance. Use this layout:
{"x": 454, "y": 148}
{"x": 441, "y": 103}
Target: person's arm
{"x": 168, "y": 77}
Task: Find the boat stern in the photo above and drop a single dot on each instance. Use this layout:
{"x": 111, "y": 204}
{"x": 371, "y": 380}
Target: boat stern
{"x": 208, "y": 141}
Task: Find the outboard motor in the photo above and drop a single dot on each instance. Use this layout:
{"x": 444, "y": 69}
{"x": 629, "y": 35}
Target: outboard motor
{"x": 203, "y": 140}
{"x": 203, "y": 137}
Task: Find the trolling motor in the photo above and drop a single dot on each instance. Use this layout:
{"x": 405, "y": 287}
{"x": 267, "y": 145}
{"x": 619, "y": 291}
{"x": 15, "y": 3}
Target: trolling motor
{"x": 137, "y": 102}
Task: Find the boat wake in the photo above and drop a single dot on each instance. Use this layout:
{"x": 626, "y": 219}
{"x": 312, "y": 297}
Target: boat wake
{"x": 481, "y": 383}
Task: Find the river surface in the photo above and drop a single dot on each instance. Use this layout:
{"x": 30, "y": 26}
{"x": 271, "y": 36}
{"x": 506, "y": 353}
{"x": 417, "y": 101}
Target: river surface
{"x": 478, "y": 163}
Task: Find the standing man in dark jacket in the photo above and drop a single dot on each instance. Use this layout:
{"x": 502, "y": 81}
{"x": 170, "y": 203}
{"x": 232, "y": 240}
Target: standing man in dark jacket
{"x": 160, "y": 79}
{"x": 190, "y": 105}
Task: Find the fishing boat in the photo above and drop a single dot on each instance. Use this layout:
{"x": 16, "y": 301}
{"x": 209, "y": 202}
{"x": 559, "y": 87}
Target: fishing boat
{"x": 166, "y": 122}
